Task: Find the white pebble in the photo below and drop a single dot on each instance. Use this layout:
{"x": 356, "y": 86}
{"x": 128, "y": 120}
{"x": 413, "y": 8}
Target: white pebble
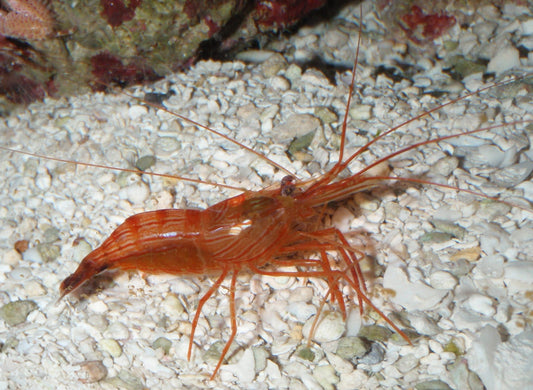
{"x": 33, "y": 288}
{"x": 435, "y": 346}
{"x": 412, "y": 296}
{"x": 20, "y": 274}
{"x": 325, "y": 375}
{"x": 98, "y": 307}
{"x": 135, "y": 194}
{"x": 481, "y": 304}
{"x": 80, "y": 250}
{"x": 43, "y": 181}
{"x": 353, "y": 322}
{"x": 117, "y": 331}
{"x": 504, "y": 60}
{"x": 329, "y": 328}
{"x": 301, "y": 310}
{"x": 244, "y": 370}
{"x": 152, "y": 364}
{"x": 361, "y": 112}
{"x": 172, "y": 306}
{"x": 527, "y": 27}
{"x": 518, "y": 276}
{"x": 32, "y": 255}
{"x": 301, "y": 294}
{"x": 342, "y": 219}
{"x": 66, "y": 207}
{"x": 137, "y": 111}
{"x": 513, "y": 175}
{"x": 442, "y": 280}
{"x": 280, "y": 83}
{"x": 11, "y": 257}
{"x": 406, "y": 363}
{"x": 166, "y": 146}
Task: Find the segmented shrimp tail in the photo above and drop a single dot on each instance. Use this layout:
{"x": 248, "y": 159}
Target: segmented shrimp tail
{"x": 86, "y": 270}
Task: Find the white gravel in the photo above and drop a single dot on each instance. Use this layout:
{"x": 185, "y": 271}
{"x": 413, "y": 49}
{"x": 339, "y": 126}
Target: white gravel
{"x": 455, "y": 268}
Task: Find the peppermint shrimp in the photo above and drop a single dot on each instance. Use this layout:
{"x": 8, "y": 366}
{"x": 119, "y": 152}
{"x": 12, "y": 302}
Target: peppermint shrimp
{"x": 262, "y": 231}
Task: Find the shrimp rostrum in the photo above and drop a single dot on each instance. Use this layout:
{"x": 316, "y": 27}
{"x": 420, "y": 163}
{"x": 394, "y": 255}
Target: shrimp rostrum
{"x": 256, "y": 231}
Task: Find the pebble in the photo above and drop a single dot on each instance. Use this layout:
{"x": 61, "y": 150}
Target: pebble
{"x": 66, "y": 208}
{"x": 330, "y": 327}
{"x": 407, "y": 363}
{"x": 326, "y": 377}
{"x": 20, "y": 274}
{"x": 374, "y": 356}
{"x": 15, "y": 313}
{"x": 92, "y": 371}
{"x": 375, "y": 333}
{"x": 43, "y": 181}
{"x": 443, "y": 280}
{"x": 244, "y": 369}
{"x": 352, "y": 348}
{"x": 137, "y": 111}
{"x": 301, "y": 310}
{"x": 512, "y": 175}
{"x": 361, "y": 112}
{"x": 325, "y": 114}
{"x": 342, "y": 219}
{"x": 505, "y": 59}
{"x": 126, "y": 380}
{"x": 261, "y": 358}
{"x": 481, "y": 304}
{"x": 342, "y": 366}
{"x": 353, "y": 322}
{"x": 12, "y": 257}
{"x": 411, "y": 295}
{"x": 491, "y": 266}
{"x": 298, "y": 125}
{"x": 435, "y": 384}
{"x": 254, "y": 56}
{"x": 79, "y": 250}
{"x": 110, "y": 346}
{"x": 136, "y": 194}
{"x": 449, "y": 227}
{"x": 518, "y": 276}
{"x": 306, "y": 353}
{"x": 98, "y": 307}
{"x": 33, "y": 288}
{"x": 153, "y": 364}
{"x": 172, "y": 306}
{"x": 145, "y": 162}
{"x": 280, "y": 83}
{"x": 48, "y": 252}
{"x": 163, "y": 343}
{"x": 356, "y": 379}
{"x": 423, "y": 324}
{"x": 117, "y": 331}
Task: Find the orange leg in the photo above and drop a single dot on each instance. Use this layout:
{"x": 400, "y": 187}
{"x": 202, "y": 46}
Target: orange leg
{"x": 203, "y": 300}
{"x": 233, "y": 323}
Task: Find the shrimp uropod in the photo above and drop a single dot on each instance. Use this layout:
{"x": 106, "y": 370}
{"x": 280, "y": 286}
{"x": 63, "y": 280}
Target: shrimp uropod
{"x": 115, "y": 313}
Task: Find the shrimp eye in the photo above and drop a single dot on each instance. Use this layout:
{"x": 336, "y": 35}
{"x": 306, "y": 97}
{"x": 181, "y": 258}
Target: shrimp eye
{"x": 287, "y": 185}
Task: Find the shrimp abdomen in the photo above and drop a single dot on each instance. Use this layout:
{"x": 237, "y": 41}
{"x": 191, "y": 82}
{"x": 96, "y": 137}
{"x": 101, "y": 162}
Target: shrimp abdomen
{"x": 161, "y": 241}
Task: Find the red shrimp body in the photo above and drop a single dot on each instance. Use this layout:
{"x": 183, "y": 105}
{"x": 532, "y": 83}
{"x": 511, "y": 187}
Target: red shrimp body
{"x": 248, "y": 228}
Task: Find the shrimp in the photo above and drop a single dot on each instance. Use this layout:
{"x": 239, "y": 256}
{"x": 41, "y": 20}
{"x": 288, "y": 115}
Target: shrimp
{"x": 261, "y": 231}
{"x": 277, "y": 226}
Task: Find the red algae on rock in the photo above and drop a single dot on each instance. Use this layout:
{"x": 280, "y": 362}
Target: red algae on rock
{"x": 116, "y": 12}
{"x": 420, "y": 26}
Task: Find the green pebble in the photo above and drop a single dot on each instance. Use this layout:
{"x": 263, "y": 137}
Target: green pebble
{"x": 14, "y": 313}
{"x": 163, "y": 343}
{"x": 145, "y": 162}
